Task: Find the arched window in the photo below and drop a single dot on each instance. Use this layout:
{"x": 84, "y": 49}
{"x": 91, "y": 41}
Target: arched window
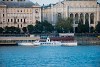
{"x": 86, "y": 18}
{"x": 24, "y": 20}
{"x": 8, "y": 20}
{"x": 76, "y": 18}
{"x": 21, "y": 25}
{"x": 92, "y": 18}
{"x": 59, "y": 16}
{"x": 21, "y": 20}
{"x": 81, "y": 17}
{"x": 71, "y": 16}
{"x": 18, "y": 20}
{"x": 18, "y": 25}
{"x": 11, "y": 20}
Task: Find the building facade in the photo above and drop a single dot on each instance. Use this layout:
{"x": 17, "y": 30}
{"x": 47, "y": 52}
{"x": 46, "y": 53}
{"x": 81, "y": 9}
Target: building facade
{"x": 79, "y": 10}
{"x": 19, "y": 13}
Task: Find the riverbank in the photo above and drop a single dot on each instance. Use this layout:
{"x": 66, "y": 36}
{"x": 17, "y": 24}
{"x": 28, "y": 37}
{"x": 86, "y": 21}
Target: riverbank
{"x": 82, "y": 39}
{"x": 88, "y": 39}
{"x": 5, "y": 44}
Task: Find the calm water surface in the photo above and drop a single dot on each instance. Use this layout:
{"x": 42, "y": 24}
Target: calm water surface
{"x": 46, "y": 56}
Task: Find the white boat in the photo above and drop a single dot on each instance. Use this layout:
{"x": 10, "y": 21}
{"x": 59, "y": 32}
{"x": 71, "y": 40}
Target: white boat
{"x": 73, "y": 43}
{"x": 55, "y": 43}
{"x": 48, "y": 43}
{"x": 25, "y": 44}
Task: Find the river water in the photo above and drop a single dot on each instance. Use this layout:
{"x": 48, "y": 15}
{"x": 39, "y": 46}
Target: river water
{"x": 46, "y": 56}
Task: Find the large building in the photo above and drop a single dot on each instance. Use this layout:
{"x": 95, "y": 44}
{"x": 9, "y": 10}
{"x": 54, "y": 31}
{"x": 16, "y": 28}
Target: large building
{"x": 79, "y": 10}
{"x": 19, "y": 13}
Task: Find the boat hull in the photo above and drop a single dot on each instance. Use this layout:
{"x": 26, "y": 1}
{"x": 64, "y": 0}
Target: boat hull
{"x": 25, "y": 44}
{"x": 70, "y": 44}
{"x": 52, "y": 43}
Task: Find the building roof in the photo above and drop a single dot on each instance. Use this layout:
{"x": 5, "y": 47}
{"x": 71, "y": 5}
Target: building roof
{"x": 47, "y": 6}
{"x": 18, "y": 4}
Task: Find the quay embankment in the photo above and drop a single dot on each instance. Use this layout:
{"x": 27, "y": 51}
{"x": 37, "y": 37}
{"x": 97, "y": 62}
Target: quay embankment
{"x": 82, "y": 39}
{"x": 88, "y": 39}
{"x": 13, "y": 40}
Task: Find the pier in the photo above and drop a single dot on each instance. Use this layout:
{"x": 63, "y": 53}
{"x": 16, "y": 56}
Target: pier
{"x": 12, "y": 40}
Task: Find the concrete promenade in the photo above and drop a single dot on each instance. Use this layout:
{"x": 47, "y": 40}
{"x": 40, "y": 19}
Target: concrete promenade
{"x": 88, "y": 39}
{"x": 14, "y": 40}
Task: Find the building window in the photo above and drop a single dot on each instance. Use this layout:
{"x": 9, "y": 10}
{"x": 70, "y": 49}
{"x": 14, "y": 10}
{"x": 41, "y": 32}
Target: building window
{"x": 0, "y": 22}
{"x": 15, "y": 20}
{"x": 36, "y": 11}
{"x": 92, "y": 18}
{"x": 59, "y": 15}
{"x": 3, "y": 15}
{"x": 24, "y": 10}
{"x": 30, "y": 10}
{"x": 11, "y": 20}
{"x": 8, "y": 20}
{"x": 27, "y": 10}
{"x": 21, "y": 25}
{"x": 18, "y": 25}
{"x": 76, "y": 18}
{"x": 17, "y": 10}
{"x": 24, "y": 21}
{"x": 18, "y": 20}
{"x": 21, "y": 10}
{"x": 21, "y": 20}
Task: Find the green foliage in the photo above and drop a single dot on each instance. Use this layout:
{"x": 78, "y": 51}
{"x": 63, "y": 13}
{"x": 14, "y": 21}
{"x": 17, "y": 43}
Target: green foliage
{"x": 24, "y": 29}
{"x": 92, "y": 29}
{"x": 12, "y": 30}
{"x": 38, "y": 27}
{"x": 81, "y": 27}
{"x": 98, "y": 27}
{"x": 30, "y": 28}
{"x": 41, "y": 27}
{"x": 87, "y": 26}
{"x": 47, "y": 27}
{"x": 64, "y": 25}
{"x": 1, "y": 30}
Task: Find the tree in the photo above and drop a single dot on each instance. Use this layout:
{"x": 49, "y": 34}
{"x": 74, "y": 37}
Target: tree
{"x": 43, "y": 27}
{"x": 69, "y": 24}
{"x": 87, "y": 26}
{"x": 17, "y": 30}
{"x": 38, "y": 27}
{"x": 47, "y": 27}
{"x": 81, "y": 27}
{"x": 92, "y": 29}
{"x": 24, "y": 29}
{"x": 30, "y": 28}
{"x": 12, "y": 30}
{"x": 1, "y": 30}
{"x": 64, "y": 25}
{"x": 59, "y": 25}
{"x": 98, "y": 27}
